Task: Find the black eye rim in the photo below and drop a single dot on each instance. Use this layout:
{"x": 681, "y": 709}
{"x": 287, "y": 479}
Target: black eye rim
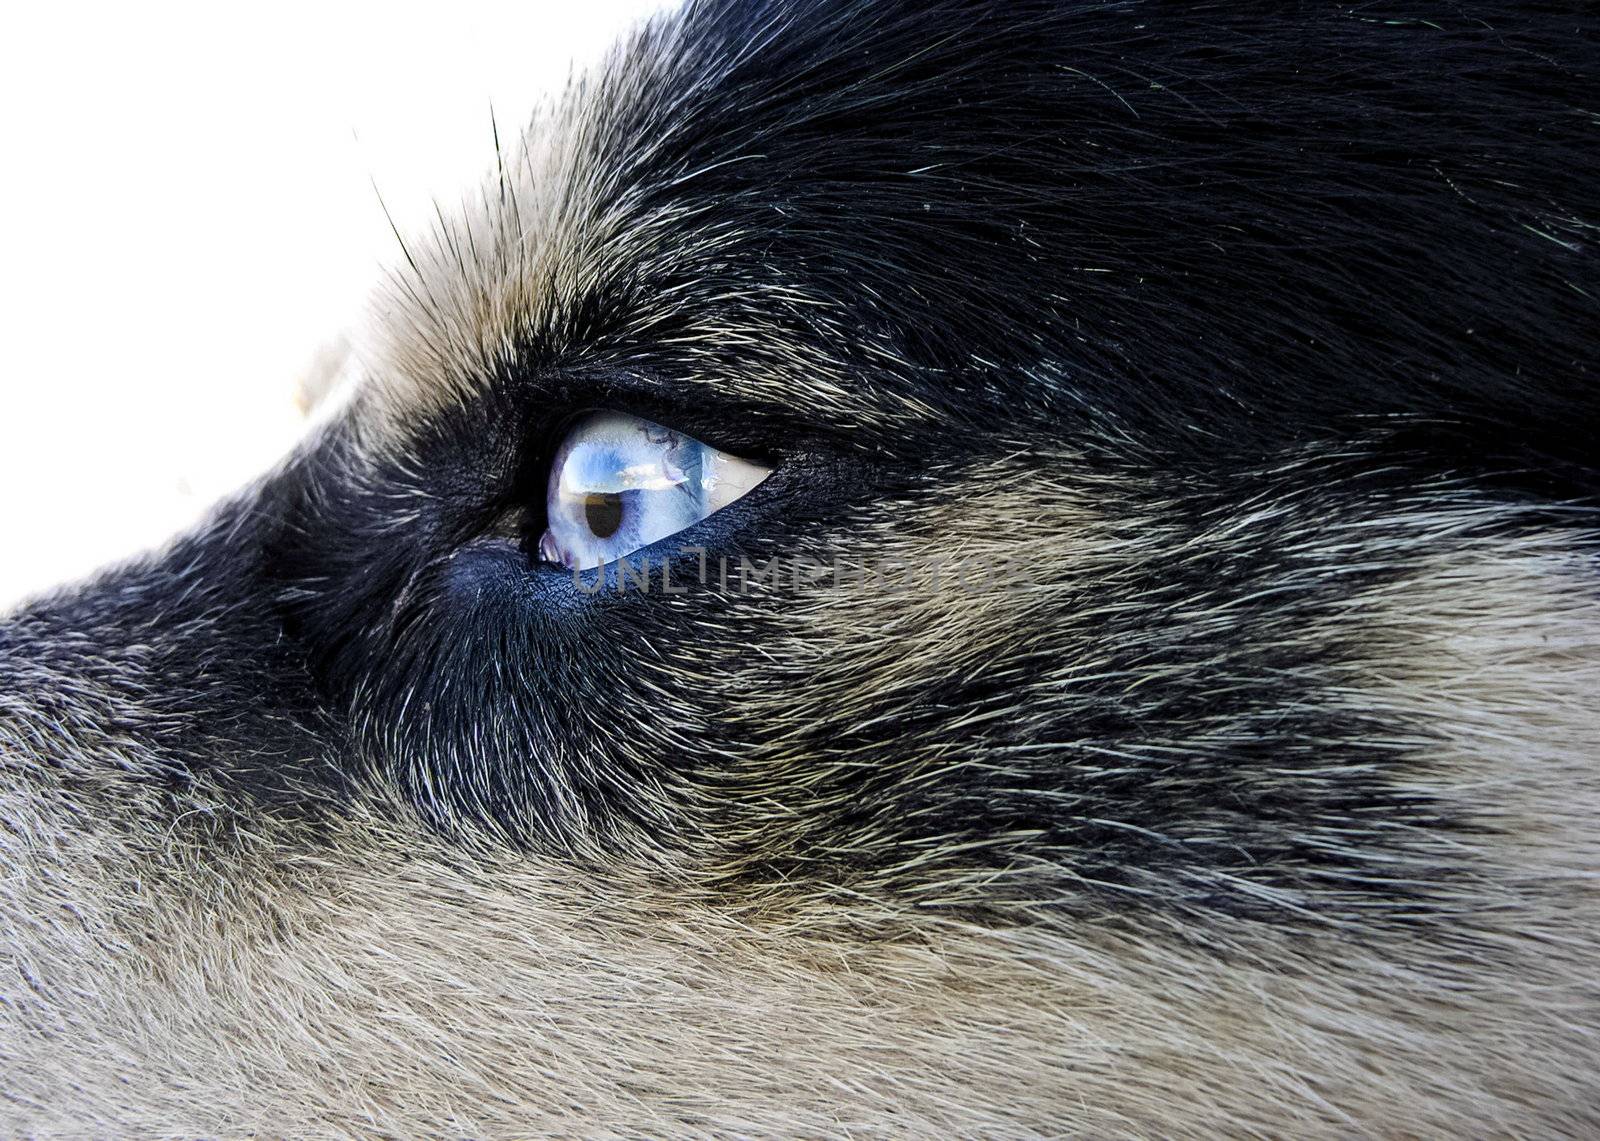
{"x": 814, "y": 470}
{"x": 758, "y": 525}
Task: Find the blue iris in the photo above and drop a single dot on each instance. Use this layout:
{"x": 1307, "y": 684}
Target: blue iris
{"x": 619, "y": 483}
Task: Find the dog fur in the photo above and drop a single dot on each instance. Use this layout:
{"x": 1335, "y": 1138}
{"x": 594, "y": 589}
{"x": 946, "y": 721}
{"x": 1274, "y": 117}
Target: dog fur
{"x": 1256, "y": 797}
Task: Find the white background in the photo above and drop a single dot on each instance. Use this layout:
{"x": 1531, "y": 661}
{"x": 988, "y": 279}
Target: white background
{"x": 189, "y": 198}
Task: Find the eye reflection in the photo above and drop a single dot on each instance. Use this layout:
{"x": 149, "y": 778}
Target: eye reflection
{"x": 619, "y": 483}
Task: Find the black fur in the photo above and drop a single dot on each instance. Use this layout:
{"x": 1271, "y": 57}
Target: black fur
{"x": 1340, "y": 259}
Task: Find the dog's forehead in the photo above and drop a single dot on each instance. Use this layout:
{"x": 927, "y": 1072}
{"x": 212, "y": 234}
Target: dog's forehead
{"x": 583, "y": 251}
{"x": 941, "y": 218}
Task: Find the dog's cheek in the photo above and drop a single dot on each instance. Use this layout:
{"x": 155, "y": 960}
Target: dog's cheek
{"x": 1172, "y": 700}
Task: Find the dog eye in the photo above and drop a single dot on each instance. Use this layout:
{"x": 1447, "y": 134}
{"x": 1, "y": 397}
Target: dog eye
{"x": 619, "y": 483}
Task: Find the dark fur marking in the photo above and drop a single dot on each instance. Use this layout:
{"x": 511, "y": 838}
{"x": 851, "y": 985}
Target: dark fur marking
{"x": 1179, "y": 242}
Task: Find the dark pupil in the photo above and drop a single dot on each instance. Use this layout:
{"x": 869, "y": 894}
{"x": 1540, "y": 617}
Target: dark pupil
{"x": 603, "y": 513}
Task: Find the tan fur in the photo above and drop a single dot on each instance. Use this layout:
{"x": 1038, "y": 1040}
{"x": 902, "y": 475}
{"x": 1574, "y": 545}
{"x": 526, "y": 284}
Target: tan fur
{"x": 245, "y": 972}
{"x": 371, "y": 982}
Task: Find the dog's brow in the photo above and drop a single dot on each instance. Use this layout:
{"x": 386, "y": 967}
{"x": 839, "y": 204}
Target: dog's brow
{"x": 556, "y": 262}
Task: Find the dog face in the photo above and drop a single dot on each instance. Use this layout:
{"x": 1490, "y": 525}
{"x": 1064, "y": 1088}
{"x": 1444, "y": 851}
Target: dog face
{"x": 1109, "y": 647}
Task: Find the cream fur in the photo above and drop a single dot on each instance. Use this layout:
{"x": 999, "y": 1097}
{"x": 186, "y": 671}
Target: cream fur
{"x": 370, "y": 982}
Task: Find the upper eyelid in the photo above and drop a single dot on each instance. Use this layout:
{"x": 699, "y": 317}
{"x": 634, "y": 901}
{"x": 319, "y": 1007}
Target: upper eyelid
{"x": 718, "y": 419}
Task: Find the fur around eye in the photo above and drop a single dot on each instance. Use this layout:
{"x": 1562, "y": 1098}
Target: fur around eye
{"x": 619, "y": 483}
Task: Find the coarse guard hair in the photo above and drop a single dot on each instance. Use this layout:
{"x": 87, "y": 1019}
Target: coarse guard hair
{"x": 1202, "y": 743}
